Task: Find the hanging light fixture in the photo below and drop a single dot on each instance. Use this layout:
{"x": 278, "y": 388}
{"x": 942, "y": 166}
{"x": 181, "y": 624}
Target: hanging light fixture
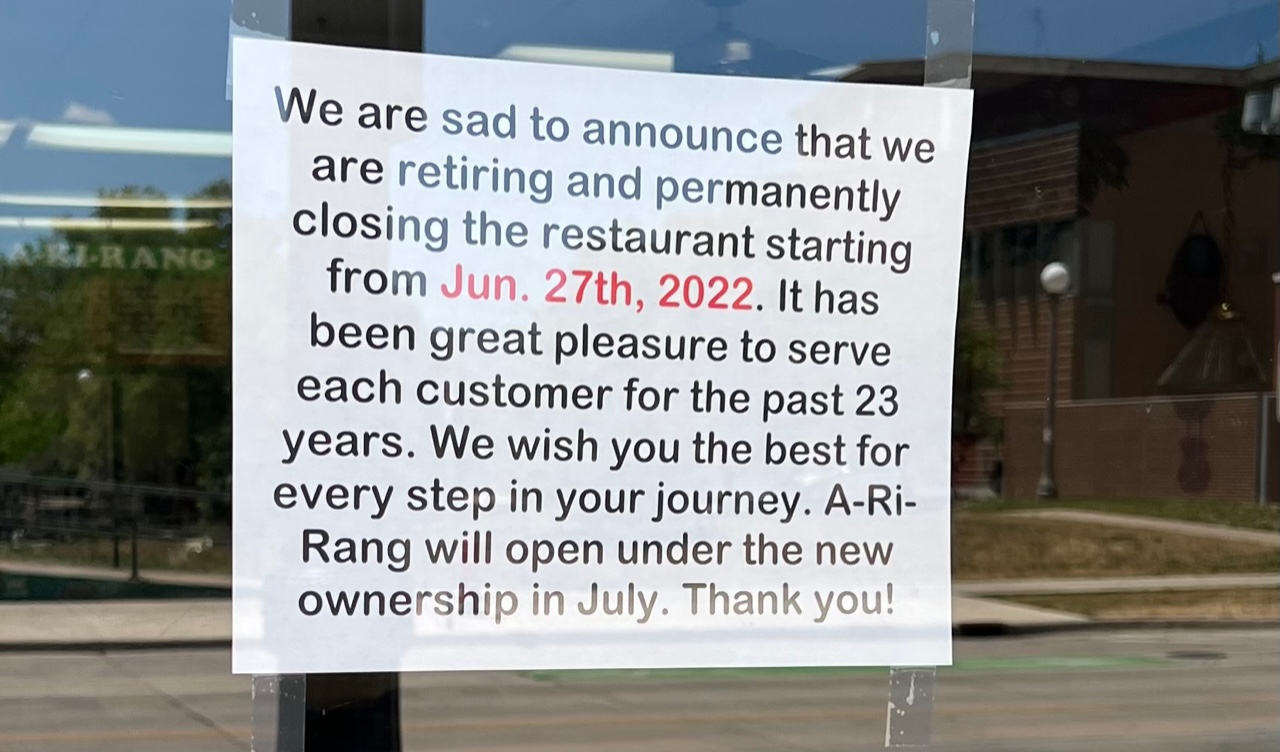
{"x": 1220, "y": 357}
{"x": 1222, "y": 354}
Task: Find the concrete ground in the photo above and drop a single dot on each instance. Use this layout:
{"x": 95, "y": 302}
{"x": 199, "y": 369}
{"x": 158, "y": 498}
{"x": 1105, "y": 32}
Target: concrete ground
{"x": 167, "y": 622}
{"x": 1156, "y": 524}
{"x": 204, "y": 622}
{"x": 1104, "y": 689}
{"x": 1172, "y": 691}
{"x": 1159, "y": 584}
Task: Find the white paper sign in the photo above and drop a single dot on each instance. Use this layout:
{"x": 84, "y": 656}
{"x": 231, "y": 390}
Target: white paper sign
{"x": 555, "y": 367}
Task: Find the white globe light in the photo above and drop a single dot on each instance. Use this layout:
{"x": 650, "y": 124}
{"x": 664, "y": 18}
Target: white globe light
{"x": 84, "y": 375}
{"x": 1055, "y": 278}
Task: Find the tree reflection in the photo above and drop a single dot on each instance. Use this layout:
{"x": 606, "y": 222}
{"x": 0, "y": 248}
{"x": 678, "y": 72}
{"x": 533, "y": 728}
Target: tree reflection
{"x": 114, "y": 344}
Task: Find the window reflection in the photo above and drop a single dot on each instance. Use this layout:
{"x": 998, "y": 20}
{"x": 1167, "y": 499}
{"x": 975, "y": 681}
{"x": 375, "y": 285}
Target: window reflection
{"x": 1106, "y": 136}
{"x": 114, "y": 294}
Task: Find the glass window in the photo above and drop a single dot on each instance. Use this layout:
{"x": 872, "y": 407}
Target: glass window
{"x": 1115, "y": 452}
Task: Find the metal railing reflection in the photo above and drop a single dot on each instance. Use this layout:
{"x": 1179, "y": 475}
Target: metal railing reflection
{"x": 64, "y": 521}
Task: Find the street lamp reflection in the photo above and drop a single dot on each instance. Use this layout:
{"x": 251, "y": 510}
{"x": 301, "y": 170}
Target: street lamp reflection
{"x": 1056, "y": 280}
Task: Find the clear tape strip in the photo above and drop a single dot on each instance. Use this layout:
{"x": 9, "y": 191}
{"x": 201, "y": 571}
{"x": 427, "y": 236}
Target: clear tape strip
{"x": 278, "y": 702}
{"x": 948, "y": 63}
{"x": 279, "y": 713}
{"x": 909, "y": 722}
{"x": 261, "y": 19}
{"x": 948, "y": 46}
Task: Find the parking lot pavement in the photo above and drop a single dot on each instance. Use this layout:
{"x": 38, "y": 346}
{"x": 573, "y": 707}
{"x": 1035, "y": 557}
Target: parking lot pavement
{"x": 1179, "y": 690}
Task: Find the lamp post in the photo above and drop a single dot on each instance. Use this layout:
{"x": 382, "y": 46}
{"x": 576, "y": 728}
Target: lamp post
{"x": 1275, "y": 336}
{"x": 1056, "y": 280}
{"x": 87, "y": 377}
